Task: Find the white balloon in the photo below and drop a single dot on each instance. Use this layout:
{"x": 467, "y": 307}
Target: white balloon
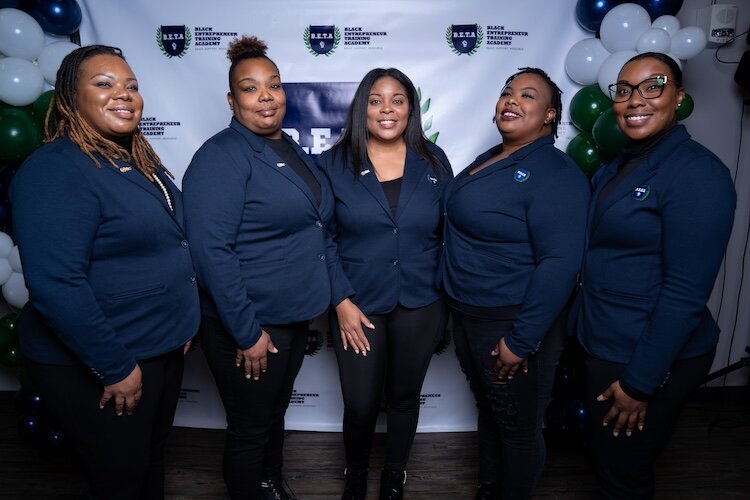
{"x": 670, "y": 24}
{"x": 21, "y": 82}
{"x": 6, "y": 244}
{"x": 5, "y": 271}
{"x": 623, "y": 25}
{"x": 51, "y": 57}
{"x": 688, "y": 42}
{"x": 14, "y": 259}
{"x": 654, "y": 40}
{"x": 15, "y": 292}
{"x": 584, "y": 60}
{"x": 20, "y": 35}
{"x": 611, "y": 68}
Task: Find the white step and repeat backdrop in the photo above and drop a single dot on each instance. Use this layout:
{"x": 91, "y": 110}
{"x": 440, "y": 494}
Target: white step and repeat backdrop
{"x": 457, "y": 53}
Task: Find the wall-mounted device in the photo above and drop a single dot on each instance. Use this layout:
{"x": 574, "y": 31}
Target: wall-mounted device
{"x": 718, "y": 21}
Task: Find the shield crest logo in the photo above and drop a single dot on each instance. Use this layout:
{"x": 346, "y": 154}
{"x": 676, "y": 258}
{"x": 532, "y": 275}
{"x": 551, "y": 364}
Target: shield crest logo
{"x": 641, "y": 192}
{"x": 521, "y": 175}
{"x": 321, "y": 39}
{"x": 173, "y": 40}
{"x": 464, "y": 38}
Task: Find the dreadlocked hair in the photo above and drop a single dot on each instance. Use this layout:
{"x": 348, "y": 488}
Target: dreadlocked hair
{"x": 554, "y": 90}
{"x": 62, "y": 119}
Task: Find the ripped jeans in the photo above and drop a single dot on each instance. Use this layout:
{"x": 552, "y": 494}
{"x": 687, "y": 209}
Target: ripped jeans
{"x": 511, "y": 414}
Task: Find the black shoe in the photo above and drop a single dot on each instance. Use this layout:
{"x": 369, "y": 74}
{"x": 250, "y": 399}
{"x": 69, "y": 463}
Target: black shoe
{"x": 356, "y": 484}
{"x": 273, "y": 489}
{"x": 488, "y": 491}
{"x": 392, "y": 485}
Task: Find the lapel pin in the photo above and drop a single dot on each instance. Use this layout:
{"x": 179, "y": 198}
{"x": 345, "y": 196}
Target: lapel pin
{"x": 281, "y": 164}
{"x": 364, "y": 172}
{"x": 125, "y": 169}
{"x": 432, "y": 178}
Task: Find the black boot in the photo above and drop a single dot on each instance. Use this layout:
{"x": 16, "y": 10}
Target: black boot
{"x": 488, "y": 491}
{"x": 356, "y": 484}
{"x": 273, "y": 489}
{"x": 392, "y": 485}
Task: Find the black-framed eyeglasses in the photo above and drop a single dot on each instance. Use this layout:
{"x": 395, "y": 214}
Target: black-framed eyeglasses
{"x": 650, "y": 88}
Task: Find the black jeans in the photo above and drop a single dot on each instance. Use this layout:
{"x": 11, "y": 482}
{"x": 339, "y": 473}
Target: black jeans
{"x": 123, "y": 456}
{"x": 255, "y": 408}
{"x": 625, "y": 465}
{"x": 511, "y": 445}
{"x": 401, "y": 347}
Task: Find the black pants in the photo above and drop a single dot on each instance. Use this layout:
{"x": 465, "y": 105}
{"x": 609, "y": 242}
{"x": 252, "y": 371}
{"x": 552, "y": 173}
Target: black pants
{"x": 625, "y": 465}
{"x": 123, "y": 456}
{"x": 255, "y": 408}
{"x": 401, "y": 347}
{"x": 511, "y": 445}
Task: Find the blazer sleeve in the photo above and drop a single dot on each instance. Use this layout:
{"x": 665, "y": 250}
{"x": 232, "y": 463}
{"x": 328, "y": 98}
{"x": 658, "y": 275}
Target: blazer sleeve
{"x": 214, "y": 199}
{"x": 341, "y": 288}
{"x": 697, "y": 216}
{"x": 556, "y": 221}
{"x": 56, "y": 218}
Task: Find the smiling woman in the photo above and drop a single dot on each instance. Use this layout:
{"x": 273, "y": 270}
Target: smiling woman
{"x": 515, "y": 220}
{"x": 256, "y": 210}
{"x": 112, "y": 294}
{"x": 661, "y": 211}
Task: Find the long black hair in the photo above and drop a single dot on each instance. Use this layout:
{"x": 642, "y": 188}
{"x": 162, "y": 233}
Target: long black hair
{"x": 353, "y": 142}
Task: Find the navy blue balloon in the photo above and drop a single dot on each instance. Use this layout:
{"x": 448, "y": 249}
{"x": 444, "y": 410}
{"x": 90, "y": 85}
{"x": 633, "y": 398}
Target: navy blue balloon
{"x": 590, "y": 13}
{"x": 58, "y": 17}
{"x": 657, "y": 8}
{"x": 28, "y": 403}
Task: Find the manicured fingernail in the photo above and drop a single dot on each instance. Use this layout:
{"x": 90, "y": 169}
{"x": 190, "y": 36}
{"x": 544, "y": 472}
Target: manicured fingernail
{"x": 247, "y": 376}
{"x": 629, "y": 433}
{"x": 615, "y": 433}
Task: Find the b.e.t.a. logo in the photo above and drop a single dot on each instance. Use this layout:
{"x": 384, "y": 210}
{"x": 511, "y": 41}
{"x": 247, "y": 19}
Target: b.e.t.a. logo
{"x": 173, "y": 40}
{"x": 464, "y": 38}
{"x": 322, "y": 40}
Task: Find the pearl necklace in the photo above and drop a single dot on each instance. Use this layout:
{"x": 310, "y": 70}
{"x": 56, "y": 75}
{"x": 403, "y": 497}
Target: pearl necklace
{"x": 164, "y": 191}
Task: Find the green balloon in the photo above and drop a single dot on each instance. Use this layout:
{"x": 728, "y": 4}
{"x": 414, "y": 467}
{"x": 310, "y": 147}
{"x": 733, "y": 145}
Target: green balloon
{"x": 40, "y": 106}
{"x": 584, "y": 152}
{"x": 686, "y": 107}
{"x": 587, "y": 105}
{"x": 8, "y": 339}
{"x": 19, "y": 135}
{"x": 607, "y": 134}
{"x": 12, "y": 357}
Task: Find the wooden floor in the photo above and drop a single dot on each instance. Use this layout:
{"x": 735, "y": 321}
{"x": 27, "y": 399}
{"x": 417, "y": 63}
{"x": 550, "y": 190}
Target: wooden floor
{"x": 708, "y": 458}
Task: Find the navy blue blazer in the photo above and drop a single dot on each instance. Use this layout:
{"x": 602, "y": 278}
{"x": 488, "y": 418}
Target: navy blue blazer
{"x": 106, "y": 263}
{"x": 514, "y": 236}
{"x": 257, "y": 236}
{"x": 382, "y": 260}
{"x": 653, "y": 249}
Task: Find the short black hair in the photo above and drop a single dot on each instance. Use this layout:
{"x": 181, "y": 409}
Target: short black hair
{"x": 554, "y": 90}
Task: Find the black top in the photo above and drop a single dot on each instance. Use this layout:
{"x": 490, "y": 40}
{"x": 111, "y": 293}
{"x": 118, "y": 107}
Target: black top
{"x": 287, "y": 153}
{"x": 392, "y": 190}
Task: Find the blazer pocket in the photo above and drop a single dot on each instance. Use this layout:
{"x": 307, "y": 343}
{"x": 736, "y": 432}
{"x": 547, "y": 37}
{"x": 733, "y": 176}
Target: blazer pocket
{"x": 626, "y": 295}
{"x": 353, "y": 260}
{"x": 138, "y": 293}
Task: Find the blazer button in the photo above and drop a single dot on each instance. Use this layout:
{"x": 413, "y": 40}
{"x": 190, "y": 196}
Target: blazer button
{"x": 321, "y": 257}
{"x": 395, "y": 230}
{"x": 192, "y": 278}
{"x": 318, "y": 223}
{"x": 395, "y": 262}
{"x": 184, "y": 243}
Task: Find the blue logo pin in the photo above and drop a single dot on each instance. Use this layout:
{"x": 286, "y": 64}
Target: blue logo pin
{"x": 432, "y": 179}
{"x": 641, "y": 192}
{"x": 521, "y": 175}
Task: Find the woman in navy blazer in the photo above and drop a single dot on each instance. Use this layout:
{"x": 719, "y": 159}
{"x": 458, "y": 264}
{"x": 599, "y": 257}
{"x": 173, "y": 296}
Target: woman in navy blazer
{"x": 515, "y": 220}
{"x": 256, "y": 210}
{"x": 112, "y": 293}
{"x": 659, "y": 222}
{"x": 387, "y": 180}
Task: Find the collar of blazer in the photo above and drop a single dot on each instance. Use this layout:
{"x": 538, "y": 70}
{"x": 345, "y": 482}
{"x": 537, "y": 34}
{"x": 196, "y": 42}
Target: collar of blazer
{"x": 415, "y": 170}
{"x": 268, "y": 157}
{"x": 131, "y": 173}
{"x": 651, "y": 165}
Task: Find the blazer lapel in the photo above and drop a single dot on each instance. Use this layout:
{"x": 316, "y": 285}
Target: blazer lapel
{"x": 625, "y": 188}
{"x": 415, "y": 171}
{"x": 130, "y": 173}
{"x": 370, "y": 182}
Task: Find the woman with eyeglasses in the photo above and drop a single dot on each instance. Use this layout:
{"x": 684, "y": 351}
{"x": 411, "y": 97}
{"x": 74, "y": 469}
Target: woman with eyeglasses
{"x": 660, "y": 218}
